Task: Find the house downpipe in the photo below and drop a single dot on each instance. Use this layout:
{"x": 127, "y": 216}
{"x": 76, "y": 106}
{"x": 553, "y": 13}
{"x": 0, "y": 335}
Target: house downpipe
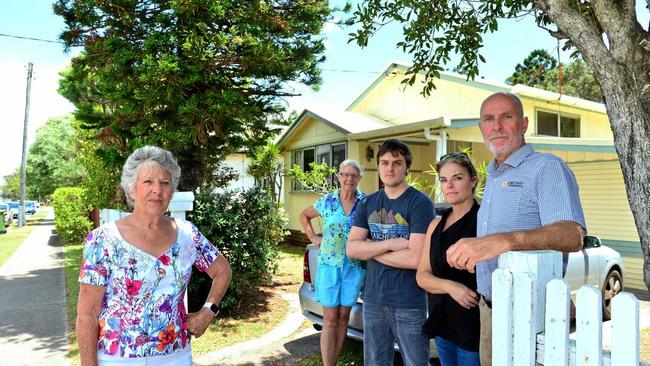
{"x": 440, "y": 139}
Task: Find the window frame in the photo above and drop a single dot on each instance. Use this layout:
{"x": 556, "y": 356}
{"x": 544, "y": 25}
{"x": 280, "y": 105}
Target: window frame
{"x": 558, "y": 119}
{"x": 300, "y": 151}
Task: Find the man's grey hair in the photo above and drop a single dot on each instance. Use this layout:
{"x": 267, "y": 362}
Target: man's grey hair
{"x": 145, "y": 156}
{"x": 353, "y": 163}
{"x": 515, "y": 100}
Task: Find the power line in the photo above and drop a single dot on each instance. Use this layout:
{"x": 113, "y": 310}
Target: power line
{"x": 30, "y": 38}
{"x": 352, "y": 71}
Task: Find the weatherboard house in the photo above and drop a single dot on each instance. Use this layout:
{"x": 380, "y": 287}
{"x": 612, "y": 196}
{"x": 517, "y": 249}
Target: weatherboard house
{"x": 574, "y": 129}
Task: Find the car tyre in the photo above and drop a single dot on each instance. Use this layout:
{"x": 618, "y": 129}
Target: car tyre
{"x": 318, "y": 327}
{"x": 612, "y": 286}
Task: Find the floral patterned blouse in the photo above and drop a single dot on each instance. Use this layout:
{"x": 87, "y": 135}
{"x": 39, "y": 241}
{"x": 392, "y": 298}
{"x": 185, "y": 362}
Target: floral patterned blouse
{"x": 143, "y": 313}
{"x": 336, "y": 228}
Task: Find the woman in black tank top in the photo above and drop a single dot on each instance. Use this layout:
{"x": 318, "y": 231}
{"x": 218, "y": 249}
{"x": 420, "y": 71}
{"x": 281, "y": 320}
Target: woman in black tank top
{"x": 453, "y": 301}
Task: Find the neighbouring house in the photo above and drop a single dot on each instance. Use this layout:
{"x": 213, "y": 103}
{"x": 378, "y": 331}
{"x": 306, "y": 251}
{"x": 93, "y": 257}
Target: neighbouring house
{"x": 238, "y": 161}
{"x": 576, "y": 130}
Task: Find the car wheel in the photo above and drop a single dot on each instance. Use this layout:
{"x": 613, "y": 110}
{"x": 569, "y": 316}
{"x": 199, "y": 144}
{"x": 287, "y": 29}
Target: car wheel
{"x": 318, "y": 327}
{"x": 612, "y": 286}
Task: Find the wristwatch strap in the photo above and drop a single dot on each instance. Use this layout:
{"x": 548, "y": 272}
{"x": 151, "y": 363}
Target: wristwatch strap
{"x": 214, "y": 308}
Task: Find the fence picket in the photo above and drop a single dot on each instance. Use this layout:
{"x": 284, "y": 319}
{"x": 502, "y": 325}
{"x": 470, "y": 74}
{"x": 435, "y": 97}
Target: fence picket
{"x": 556, "y": 347}
{"x": 589, "y": 335}
{"x": 625, "y": 330}
{"x": 524, "y": 307}
{"x": 502, "y": 317}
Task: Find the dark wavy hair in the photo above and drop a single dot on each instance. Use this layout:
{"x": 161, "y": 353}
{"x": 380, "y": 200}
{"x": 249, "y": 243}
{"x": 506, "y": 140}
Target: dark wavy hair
{"x": 395, "y": 146}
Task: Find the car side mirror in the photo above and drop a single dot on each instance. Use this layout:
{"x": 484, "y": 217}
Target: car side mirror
{"x": 590, "y": 241}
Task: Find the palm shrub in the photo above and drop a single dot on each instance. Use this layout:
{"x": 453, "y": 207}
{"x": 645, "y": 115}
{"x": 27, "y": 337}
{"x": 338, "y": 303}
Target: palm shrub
{"x": 71, "y": 214}
{"x": 247, "y": 227}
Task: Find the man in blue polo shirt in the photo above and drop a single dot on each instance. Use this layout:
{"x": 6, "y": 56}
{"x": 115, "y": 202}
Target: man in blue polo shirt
{"x": 530, "y": 202}
{"x": 388, "y": 232}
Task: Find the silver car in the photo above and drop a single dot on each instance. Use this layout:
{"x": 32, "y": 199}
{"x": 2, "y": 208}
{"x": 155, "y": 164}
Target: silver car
{"x": 595, "y": 264}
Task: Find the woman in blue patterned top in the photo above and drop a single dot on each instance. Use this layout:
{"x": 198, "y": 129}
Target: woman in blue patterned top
{"x": 339, "y": 278}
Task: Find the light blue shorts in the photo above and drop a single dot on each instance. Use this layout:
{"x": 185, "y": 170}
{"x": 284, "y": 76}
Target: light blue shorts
{"x": 337, "y": 286}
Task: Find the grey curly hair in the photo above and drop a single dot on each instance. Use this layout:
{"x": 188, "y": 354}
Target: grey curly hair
{"x": 144, "y": 156}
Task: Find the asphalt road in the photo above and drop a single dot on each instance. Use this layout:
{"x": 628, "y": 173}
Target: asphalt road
{"x": 33, "y": 320}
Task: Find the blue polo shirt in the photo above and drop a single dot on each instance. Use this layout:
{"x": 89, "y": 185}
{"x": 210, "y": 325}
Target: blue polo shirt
{"x": 528, "y": 191}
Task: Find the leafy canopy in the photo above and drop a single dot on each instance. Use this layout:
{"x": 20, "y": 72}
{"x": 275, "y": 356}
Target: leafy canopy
{"x": 540, "y": 70}
{"x": 198, "y": 77}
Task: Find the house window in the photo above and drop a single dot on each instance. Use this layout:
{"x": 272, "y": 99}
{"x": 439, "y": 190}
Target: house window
{"x": 330, "y": 154}
{"x": 554, "y": 124}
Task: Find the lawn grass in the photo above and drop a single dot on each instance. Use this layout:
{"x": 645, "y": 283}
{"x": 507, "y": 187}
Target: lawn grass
{"x": 351, "y": 354}
{"x": 265, "y": 312}
{"x": 644, "y": 335}
{"x": 15, "y": 235}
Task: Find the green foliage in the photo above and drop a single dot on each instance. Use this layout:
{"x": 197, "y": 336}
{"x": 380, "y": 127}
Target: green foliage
{"x": 576, "y": 80}
{"x": 318, "y": 178}
{"x": 52, "y": 158}
{"x": 431, "y": 187}
{"x": 267, "y": 167}
{"x": 533, "y": 71}
{"x": 200, "y": 78}
{"x": 71, "y": 214}
{"x": 247, "y": 227}
{"x": 11, "y": 187}
{"x": 540, "y": 70}
{"x": 435, "y": 30}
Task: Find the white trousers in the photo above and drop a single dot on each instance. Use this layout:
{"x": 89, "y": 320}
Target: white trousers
{"x": 180, "y": 358}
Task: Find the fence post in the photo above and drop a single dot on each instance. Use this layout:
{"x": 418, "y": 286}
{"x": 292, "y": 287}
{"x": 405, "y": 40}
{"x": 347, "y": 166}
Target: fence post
{"x": 502, "y": 317}
{"x": 625, "y": 330}
{"x": 544, "y": 266}
{"x": 556, "y": 332}
{"x": 181, "y": 203}
{"x": 589, "y": 331}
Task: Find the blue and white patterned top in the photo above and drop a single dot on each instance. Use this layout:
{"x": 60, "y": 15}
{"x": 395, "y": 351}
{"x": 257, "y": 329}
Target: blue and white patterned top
{"x": 336, "y": 228}
{"x": 143, "y": 313}
{"x": 528, "y": 191}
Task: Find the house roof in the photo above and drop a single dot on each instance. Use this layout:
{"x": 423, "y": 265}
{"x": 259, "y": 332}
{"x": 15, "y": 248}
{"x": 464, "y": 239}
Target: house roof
{"x": 358, "y": 126}
{"x": 396, "y": 66}
{"x": 342, "y": 121}
{"x": 519, "y": 89}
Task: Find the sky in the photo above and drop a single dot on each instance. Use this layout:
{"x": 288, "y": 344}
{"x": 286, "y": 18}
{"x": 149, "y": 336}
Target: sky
{"x": 347, "y": 71}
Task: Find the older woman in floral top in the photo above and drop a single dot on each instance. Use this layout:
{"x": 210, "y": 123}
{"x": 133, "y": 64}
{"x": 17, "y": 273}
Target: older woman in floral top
{"x": 135, "y": 271}
{"x": 339, "y": 278}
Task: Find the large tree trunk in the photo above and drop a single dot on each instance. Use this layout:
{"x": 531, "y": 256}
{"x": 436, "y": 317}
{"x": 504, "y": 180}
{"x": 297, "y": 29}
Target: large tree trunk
{"x": 621, "y": 66}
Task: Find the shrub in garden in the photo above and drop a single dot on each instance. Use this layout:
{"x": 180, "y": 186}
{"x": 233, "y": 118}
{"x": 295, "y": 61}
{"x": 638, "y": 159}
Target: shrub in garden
{"x": 71, "y": 214}
{"x": 247, "y": 227}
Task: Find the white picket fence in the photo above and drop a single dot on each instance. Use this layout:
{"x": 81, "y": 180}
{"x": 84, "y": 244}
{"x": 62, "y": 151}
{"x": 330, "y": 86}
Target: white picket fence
{"x": 530, "y": 332}
{"x": 178, "y": 206}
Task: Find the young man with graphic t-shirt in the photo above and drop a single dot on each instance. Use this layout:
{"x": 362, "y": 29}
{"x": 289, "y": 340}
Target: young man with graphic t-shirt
{"x": 388, "y": 232}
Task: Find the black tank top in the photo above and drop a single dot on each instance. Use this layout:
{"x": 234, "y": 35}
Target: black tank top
{"x": 447, "y": 318}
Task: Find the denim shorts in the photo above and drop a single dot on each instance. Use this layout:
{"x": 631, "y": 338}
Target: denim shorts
{"x": 338, "y": 286}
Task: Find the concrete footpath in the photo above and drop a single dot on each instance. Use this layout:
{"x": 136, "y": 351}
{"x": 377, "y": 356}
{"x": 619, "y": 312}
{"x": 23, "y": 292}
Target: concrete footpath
{"x": 33, "y": 319}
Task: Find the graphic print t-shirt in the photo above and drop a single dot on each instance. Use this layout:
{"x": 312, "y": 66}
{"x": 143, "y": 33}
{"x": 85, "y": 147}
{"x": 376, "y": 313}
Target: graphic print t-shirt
{"x": 387, "y": 218}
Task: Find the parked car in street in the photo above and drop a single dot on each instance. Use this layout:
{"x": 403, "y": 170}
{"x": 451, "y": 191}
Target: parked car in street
{"x": 14, "y": 208}
{"x": 30, "y": 207}
{"x": 595, "y": 264}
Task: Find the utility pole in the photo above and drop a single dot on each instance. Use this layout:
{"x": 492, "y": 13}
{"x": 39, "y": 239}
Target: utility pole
{"x": 23, "y": 165}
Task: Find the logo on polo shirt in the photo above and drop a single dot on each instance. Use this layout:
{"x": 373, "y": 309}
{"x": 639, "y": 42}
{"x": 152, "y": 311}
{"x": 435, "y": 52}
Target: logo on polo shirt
{"x": 512, "y": 184}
